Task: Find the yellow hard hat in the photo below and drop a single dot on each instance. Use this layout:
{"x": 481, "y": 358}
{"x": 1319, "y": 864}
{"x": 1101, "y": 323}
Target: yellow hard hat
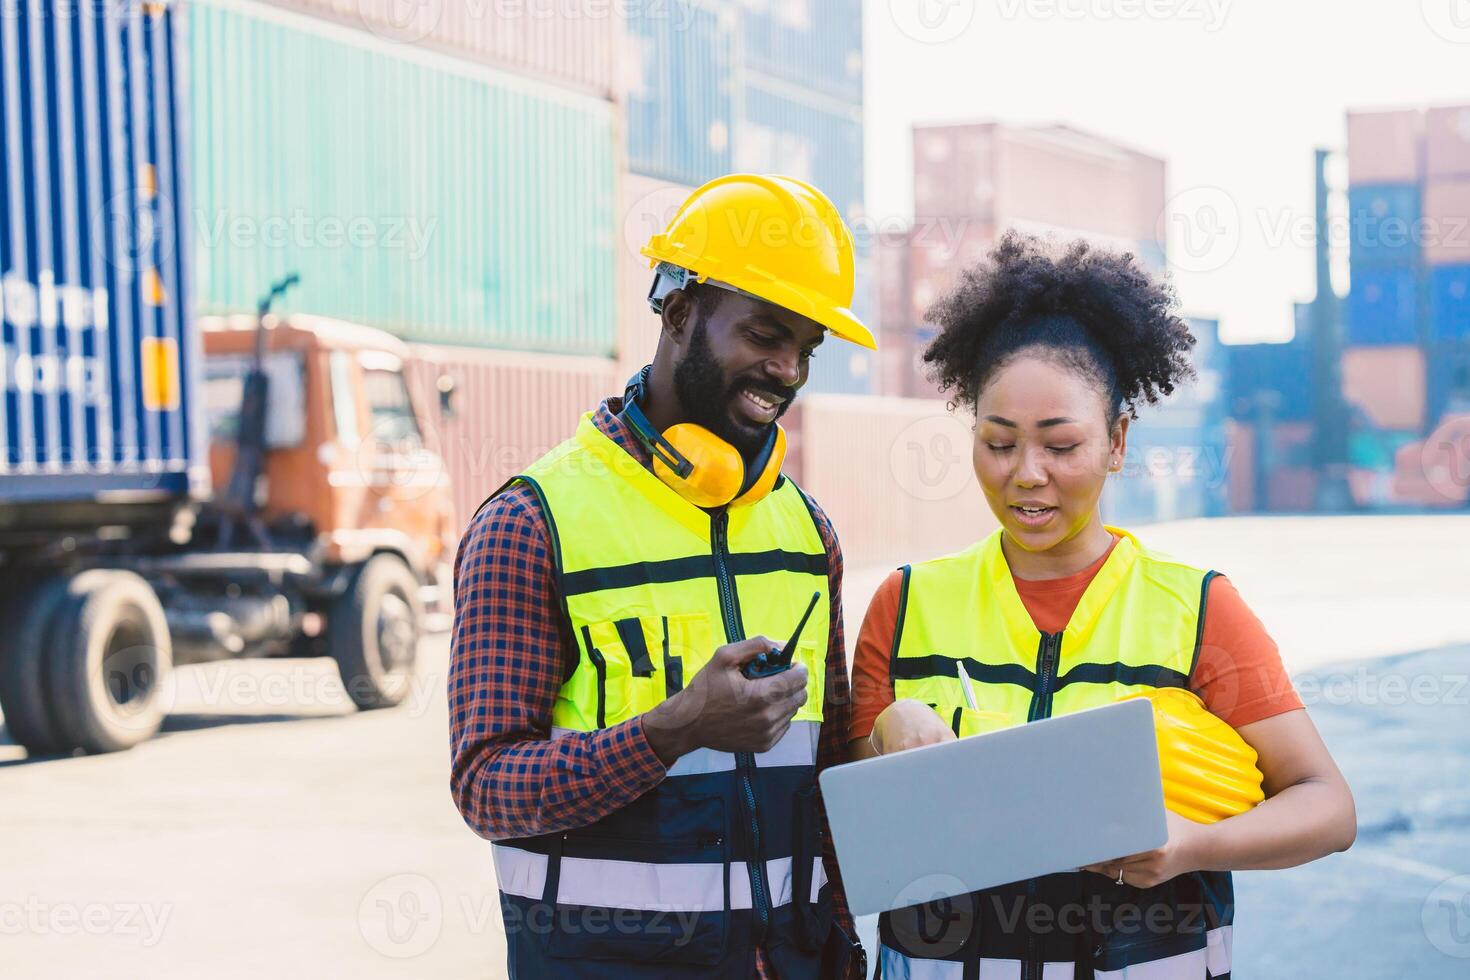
{"x": 775, "y": 238}
{"x": 1209, "y": 771}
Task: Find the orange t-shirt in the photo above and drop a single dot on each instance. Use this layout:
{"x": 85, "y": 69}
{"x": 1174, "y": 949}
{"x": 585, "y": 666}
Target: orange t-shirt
{"x": 1239, "y": 674}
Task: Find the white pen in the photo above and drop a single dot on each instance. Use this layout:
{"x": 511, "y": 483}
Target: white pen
{"x": 964, "y": 676}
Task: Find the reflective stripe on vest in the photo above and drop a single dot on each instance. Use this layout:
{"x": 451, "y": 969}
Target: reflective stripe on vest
{"x": 651, "y": 587}
{"x": 646, "y": 886}
{"x": 1135, "y": 628}
{"x": 1213, "y": 961}
{"x": 896, "y": 966}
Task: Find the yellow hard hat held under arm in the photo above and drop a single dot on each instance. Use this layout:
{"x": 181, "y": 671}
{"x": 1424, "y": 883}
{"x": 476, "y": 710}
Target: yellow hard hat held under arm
{"x": 775, "y": 238}
{"x": 1209, "y": 771}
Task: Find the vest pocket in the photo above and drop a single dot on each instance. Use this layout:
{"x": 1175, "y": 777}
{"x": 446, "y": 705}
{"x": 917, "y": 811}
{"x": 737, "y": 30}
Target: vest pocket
{"x": 639, "y": 660}
{"x": 642, "y": 899}
{"x": 813, "y": 918}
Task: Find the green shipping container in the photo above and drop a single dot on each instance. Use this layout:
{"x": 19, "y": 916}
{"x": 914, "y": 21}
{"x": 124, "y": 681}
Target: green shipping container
{"x": 431, "y": 197}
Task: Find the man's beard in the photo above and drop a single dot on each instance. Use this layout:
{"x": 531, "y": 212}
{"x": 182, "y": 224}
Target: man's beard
{"x": 705, "y": 396}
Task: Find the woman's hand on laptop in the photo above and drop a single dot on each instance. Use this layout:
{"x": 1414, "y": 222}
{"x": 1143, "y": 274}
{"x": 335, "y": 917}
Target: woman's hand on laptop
{"x": 908, "y": 724}
{"x": 1178, "y": 856}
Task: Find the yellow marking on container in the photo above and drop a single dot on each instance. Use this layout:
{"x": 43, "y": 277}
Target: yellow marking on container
{"x": 160, "y": 374}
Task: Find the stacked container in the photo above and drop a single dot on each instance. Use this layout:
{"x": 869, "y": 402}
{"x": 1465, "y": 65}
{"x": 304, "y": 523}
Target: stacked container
{"x": 1447, "y": 211}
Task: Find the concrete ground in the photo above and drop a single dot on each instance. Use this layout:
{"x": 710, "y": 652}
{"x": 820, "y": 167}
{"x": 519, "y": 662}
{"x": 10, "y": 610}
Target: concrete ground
{"x": 271, "y": 829}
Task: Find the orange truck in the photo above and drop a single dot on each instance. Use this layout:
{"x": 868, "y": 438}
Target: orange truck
{"x": 325, "y": 529}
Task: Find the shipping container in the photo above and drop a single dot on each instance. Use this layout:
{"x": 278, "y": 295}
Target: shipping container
{"x": 940, "y": 249}
{"x": 439, "y": 200}
{"x": 679, "y": 68}
{"x": 558, "y": 43}
{"x": 1447, "y": 221}
{"x": 1436, "y": 471}
{"x": 894, "y": 475}
{"x": 782, "y": 130}
{"x": 816, "y": 44}
{"x": 1285, "y": 459}
{"x": 1384, "y": 223}
{"x": 1240, "y": 471}
{"x": 1385, "y": 384}
{"x": 954, "y": 171}
{"x": 1449, "y": 381}
{"x": 1450, "y": 303}
{"x": 891, "y": 280}
{"x": 646, "y": 206}
{"x": 1175, "y": 469}
{"x": 1385, "y": 147}
{"x": 1447, "y": 142}
{"x": 1383, "y": 306}
{"x": 505, "y": 410}
{"x": 1269, "y": 380}
{"x": 99, "y": 362}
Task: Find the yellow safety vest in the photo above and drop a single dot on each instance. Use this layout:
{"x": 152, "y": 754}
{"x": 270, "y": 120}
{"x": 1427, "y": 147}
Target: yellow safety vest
{"x": 651, "y": 586}
{"x": 1136, "y": 628}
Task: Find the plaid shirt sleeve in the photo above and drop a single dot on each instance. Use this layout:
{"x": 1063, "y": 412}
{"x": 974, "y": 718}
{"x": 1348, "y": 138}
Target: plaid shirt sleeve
{"x": 836, "y": 709}
{"x": 508, "y": 777}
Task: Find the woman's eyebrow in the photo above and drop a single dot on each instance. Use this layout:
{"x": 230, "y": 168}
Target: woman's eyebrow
{"x": 1043, "y": 424}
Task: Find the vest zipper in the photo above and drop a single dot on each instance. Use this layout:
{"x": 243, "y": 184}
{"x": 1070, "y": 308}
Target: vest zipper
{"x": 1047, "y": 655}
{"x": 744, "y": 761}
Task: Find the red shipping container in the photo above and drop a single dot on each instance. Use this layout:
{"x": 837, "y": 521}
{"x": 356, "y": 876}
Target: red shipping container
{"x": 954, "y": 170}
{"x": 939, "y": 249}
{"x": 508, "y": 409}
{"x": 1240, "y": 463}
{"x": 1447, "y": 142}
{"x": 1385, "y": 147}
{"x": 1387, "y": 383}
{"x": 569, "y": 48}
{"x": 1447, "y": 221}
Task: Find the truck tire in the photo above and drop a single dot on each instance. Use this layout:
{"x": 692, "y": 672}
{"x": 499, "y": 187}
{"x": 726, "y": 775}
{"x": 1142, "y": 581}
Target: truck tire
{"x": 373, "y": 632}
{"x": 112, "y": 656}
{"x": 25, "y": 695}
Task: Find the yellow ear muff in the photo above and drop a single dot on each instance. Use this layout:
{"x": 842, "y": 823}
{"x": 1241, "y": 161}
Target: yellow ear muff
{"x": 767, "y": 479}
{"x": 718, "y": 470}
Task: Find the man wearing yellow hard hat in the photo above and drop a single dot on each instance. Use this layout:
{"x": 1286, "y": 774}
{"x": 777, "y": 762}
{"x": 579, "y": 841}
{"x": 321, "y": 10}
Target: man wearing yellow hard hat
{"x": 1055, "y": 612}
{"x": 648, "y": 664}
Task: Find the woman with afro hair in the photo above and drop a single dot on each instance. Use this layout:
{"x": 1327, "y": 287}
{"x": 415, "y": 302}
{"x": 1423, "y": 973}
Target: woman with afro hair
{"x": 1055, "y": 611}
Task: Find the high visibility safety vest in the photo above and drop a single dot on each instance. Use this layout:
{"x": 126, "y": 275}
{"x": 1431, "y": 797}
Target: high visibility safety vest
{"x": 725, "y": 854}
{"x": 1136, "y": 628}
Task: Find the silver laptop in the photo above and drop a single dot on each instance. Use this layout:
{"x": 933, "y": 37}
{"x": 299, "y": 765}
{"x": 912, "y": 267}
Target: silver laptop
{"x": 949, "y": 819}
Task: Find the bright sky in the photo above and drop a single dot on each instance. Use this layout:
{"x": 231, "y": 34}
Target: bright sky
{"x": 1234, "y": 94}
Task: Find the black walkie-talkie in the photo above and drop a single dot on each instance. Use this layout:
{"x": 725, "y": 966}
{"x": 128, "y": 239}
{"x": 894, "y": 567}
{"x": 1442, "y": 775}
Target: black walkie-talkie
{"x": 774, "y": 660}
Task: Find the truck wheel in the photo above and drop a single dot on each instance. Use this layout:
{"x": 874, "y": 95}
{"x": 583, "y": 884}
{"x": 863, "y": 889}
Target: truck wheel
{"x": 112, "y": 655}
{"x": 373, "y": 632}
{"x": 24, "y": 666}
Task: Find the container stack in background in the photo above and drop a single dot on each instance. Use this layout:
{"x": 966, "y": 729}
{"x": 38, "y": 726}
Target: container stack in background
{"x": 972, "y": 182}
{"x": 1407, "y": 339}
{"x": 1178, "y": 463}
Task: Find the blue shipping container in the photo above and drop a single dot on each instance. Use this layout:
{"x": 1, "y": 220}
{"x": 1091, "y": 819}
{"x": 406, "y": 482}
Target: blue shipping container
{"x": 680, "y": 101}
{"x": 1447, "y": 367}
{"x": 98, "y": 362}
{"x": 1450, "y": 292}
{"x": 782, "y": 131}
{"x": 1279, "y": 373}
{"x": 816, "y": 44}
{"x": 1384, "y": 223}
{"x": 1383, "y": 307}
{"x": 1172, "y": 472}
